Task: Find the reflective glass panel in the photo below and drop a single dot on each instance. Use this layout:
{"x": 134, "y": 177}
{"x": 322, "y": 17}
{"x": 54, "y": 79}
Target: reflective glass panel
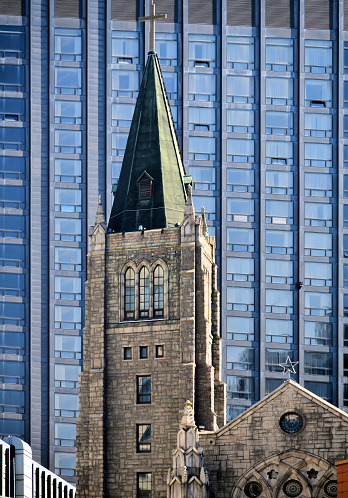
{"x": 318, "y": 244}
{"x": 67, "y": 229}
{"x": 67, "y": 317}
{"x": 240, "y": 52}
{"x": 166, "y": 46}
{"x": 66, "y": 405}
{"x": 67, "y": 258}
{"x": 68, "y": 170}
{"x": 125, "y": 83}
{"x": 318, "y": 125}
{"x": 240, "y": 121}
{"x": 279, "y": 301}
{"x": 318, "y": 93}
{"x": 279, "y": 271}
{"x": 65, "y": 464}
{"x": 279, "y": 123}
{"x": 12, "y": 42}
{"x": 274, "y": 357}
{"x": 318, "y": 56}
{"x": 318, "y": 333}
{"x": 12, "y": 78}
{"x": 12, "y": 109}
{"x": 202, "y": 118}
{"x": 240, "y": 299}
{"x": 240, "y": 328}
{"x": 317, "y": 363}
{"x": 202, "y": 51}
{"x": 324, "y": 390}
{"x": 64, "y": 434}
{"x": 279, "y": 54}
{"x": 240, "y": 89}
{"x": 68, "y": 44}
{"x": 67, "y": 346}
{"x": 318, "y": 303}
{"x": 240, "y": 239}
{"x": 202, "y": 87}
{"x": 279, "y": 91}
{"x": 318, "y": 273}
{"x": 281, "y": 331}
{"x": 125, "y": 47}
{"x": 66, "y": 375}
{"x": 240, "y": 387}
{"x": 68, "y": 80}
{"x": 68, "y": 112}
{"x": 240, "y": 358}
{"x": 240, "y": 180}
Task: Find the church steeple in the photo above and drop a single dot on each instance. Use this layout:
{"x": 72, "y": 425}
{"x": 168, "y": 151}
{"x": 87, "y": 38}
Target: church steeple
{"x": 151, "y": 191}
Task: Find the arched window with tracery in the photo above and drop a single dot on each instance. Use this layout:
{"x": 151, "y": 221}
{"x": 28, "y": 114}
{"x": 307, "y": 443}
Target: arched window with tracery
{"x": 158, "y": 292}
{"x": 144, "y": 293}
{"x": 129, "y": 291}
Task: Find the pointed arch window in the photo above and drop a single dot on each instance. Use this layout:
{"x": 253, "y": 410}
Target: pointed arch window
{"x": 158, "y": 292}
{"x": 144, "y": 293}
{"x": 129, "y": 310}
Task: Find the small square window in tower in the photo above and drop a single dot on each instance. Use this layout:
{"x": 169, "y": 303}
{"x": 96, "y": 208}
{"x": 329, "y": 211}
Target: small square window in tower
{"x": 145, "y": 186}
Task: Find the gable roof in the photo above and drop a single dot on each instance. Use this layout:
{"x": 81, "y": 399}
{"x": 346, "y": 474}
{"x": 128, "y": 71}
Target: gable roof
{"x": 289, "y": 384}
{"x": 152, "y": 147}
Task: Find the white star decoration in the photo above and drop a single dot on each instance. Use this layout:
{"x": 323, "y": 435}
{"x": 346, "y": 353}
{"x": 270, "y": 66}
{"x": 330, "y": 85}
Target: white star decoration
{"x": 289, "y": 366}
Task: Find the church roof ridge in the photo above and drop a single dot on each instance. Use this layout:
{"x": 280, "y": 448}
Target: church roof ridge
{"x": 152, "y": 148}
{"x": 277, "y": 392}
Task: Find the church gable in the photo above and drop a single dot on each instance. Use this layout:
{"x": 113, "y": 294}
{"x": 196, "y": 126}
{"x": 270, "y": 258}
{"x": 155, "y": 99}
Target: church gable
{"x": 255, "y": 447}
{"x": 288, "y": 397}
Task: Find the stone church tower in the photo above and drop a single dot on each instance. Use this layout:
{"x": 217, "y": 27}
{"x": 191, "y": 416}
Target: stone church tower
{"x": 151, "y": 337}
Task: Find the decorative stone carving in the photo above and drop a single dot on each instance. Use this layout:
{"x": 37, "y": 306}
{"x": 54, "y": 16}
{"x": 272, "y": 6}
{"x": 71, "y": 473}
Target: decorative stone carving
{"x": 188, "y": 479}
{"x": 290, "y": 472}
{"x": 97, "y": 235}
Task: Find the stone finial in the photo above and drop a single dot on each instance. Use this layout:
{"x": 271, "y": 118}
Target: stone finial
{"x": 189, "y": 209}
{"x": 184, "y": 474}
{"x": 204, "y": 223}
{"x": 188, "y": 417}
{"x": 99, "y": 217}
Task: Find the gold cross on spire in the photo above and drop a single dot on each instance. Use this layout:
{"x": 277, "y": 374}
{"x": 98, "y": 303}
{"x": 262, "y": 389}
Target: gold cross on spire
{"x": 152, "y": 18}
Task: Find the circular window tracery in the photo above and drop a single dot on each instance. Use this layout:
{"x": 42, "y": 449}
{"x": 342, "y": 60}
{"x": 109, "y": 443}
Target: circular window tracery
{"x": 292, "y": 488}
{"x": 330, "y": 488}
{"x": 253, "y": 489}
{"x": 291, "y": 423}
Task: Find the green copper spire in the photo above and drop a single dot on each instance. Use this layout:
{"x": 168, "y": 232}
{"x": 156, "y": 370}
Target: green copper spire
{"x": 151, "y": 191}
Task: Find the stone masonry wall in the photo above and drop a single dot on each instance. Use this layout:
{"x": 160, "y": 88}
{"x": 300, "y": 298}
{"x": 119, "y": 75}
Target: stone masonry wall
{"x": 107, "y": 454}
{"x": 90, "y": 425}
{"x": 122, "y": 411}
{"x": 230, "y": 452}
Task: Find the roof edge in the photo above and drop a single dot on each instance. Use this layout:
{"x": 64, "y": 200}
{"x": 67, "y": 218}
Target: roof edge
{"x": 171, "y": 125}
{"x": 277, "y": 392}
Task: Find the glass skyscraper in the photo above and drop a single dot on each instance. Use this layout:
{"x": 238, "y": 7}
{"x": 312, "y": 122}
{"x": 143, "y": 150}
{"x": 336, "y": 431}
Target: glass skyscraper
{"x": 259, "y": 94}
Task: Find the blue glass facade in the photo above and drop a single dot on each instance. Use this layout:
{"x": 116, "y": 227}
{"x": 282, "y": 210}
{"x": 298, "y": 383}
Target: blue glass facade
{"x": 14, "y": 229}
{"x": 259, "y": 97}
